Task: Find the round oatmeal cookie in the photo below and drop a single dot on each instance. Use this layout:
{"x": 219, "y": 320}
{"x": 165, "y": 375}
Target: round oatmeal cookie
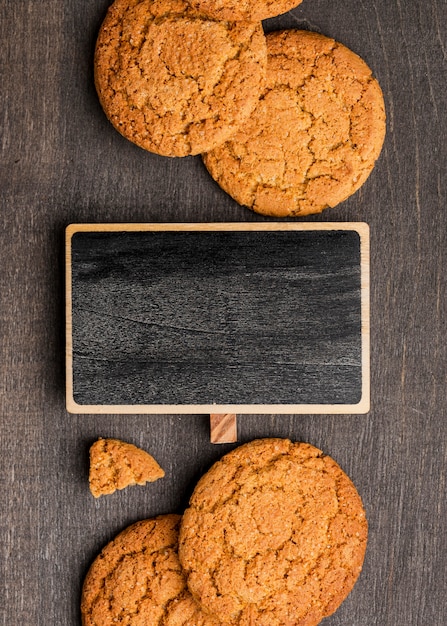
{"x": 137, "y": 580}
{"x": 315, "y": 135}
{"x": 174, "y": 82}
{"x": 243, "y": 9}
{"x": 275, "y": 535}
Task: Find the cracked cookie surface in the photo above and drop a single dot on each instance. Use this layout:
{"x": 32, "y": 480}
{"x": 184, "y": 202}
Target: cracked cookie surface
{"x": 244, "y": 9}
{"x": 315, "y": 135}
{"x": 173, "y": 81}
{"x": 116, "y": 464}
{"x": 275, "y": 535}
{"x": 137, "y": 580}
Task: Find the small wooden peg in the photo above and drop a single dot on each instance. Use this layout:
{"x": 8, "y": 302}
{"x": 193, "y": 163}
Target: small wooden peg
{"x": 223, "y": 427}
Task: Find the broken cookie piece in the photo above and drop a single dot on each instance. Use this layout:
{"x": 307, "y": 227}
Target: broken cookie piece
{"x": 115, "y": 464}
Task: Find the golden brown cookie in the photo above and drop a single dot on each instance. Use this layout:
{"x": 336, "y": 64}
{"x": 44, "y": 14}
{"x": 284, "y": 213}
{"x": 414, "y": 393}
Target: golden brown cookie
{"x": 275, "y": 535}
{"x": 243, "y": 9}
{"x": 315, "y": 135}
{"x": 137, "y": 580}
{"x": 174, "y": 82}
{"x": 116, "y": 464}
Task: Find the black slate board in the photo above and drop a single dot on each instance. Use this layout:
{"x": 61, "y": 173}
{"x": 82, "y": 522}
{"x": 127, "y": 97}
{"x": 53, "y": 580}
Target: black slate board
{"x": 203, "y": 318}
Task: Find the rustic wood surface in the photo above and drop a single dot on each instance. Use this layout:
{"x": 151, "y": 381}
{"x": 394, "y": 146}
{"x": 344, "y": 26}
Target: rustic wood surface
{"x": 62, "y": 162}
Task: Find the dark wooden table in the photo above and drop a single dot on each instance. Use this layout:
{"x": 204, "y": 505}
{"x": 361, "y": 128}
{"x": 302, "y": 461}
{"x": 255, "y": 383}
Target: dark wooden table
{"x": 62, "y": 162}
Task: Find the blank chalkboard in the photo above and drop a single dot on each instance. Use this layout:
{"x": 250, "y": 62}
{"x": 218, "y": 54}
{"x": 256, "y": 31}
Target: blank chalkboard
{"x": 209, "y": 318}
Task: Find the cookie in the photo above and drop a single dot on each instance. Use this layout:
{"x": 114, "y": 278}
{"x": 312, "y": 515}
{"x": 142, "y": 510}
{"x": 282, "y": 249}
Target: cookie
{"x": 243, "y": 9}
{"x": 115, "y": 464}
{"x": 174, "y": 82}
{"x": 137, "y": 580}
{"x": 275, "y": 535}
{"x": 315, "y": 135}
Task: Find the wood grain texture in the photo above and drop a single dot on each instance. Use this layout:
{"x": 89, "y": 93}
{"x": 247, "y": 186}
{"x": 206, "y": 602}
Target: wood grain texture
{"x": 192, "y": 319}
{"x": 223, "y": 428}
{"x": 62, "y": 162}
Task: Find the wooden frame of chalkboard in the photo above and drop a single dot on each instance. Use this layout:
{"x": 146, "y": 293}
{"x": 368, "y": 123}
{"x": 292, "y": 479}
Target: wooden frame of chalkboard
{"x": 218, "y": 318}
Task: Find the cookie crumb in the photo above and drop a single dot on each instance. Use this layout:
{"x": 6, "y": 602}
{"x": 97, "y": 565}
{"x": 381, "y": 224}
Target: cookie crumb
{"x": 115, "y": 464}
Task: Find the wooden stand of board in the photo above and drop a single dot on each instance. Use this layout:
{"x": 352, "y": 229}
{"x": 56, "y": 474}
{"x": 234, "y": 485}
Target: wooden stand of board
{"x": 223, "y": 428}
{"x": 220, "y": 319}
